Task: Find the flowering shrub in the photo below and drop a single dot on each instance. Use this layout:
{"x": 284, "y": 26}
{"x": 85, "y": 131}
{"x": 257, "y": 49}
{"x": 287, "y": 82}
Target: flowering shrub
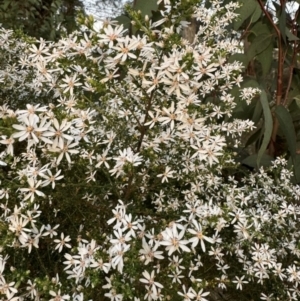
{"x": 118, "y": 175}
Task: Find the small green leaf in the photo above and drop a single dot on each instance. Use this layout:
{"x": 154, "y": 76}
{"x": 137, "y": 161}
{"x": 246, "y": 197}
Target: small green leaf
{"x": 268, "y": 126}
{"x": 6, "y": 4}
{"x": 286, "y": 125}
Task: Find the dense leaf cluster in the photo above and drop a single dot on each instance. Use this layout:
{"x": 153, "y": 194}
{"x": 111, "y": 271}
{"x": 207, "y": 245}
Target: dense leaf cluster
{"x": 40, "y": 18}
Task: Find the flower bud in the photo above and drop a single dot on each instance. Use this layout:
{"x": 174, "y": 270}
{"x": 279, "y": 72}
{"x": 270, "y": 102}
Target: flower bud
{"x": 51, "y": 106}
{"x": 142, "y": 258}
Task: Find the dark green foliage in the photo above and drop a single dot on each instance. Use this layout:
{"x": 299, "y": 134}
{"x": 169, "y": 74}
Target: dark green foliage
{"x": 40, "y": 18}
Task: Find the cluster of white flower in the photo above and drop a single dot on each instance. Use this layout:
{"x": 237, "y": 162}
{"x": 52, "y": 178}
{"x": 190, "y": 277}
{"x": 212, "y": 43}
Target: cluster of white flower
{"x": 139, "y": 127}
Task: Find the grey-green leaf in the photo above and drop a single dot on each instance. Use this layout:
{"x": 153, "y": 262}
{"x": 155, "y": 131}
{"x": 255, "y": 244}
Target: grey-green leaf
{"x": 124, "y": 20}
{"x": 256, "y": 14}
{"x": 250, "y": 83}
{"x": 286, "y": 125}
{"x": 259, "y": 44}
{"x": 297, "y": 99}
{"x": 266, "y": 58}
{"x": 296, "y": 162}
{"x": 268, "y": 126}
{"x": 291, "y": 36}
{"x": 244, "y": 12}
{"x": 240, "y": 57}
{"x": 146, "y": 6}
{"x": 282, "y": 23}
{"x": 257, "y": 112}
{"x": 253, "y": 139}
{"x": 260, "y": 28}
{"x": 251, "y": 161}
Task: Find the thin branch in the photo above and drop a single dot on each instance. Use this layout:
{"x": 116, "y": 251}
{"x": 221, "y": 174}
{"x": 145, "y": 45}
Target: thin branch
{"x": 290, "y": 74}
{"x": 279, "y": 90}
{"x": 294, "y": 57}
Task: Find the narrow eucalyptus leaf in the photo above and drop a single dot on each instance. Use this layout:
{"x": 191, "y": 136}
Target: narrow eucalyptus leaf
{"x": 257, "y": 112}
{"x": 268, "y": 126}
{"x": 286, "y": 125}
{"x": 291, "y": 36}
{"x": 251, "y": 161}
{"x": 297, "y": 99}
{"x": 282, "y": 23}
{"x": 295, "y": 162}
{"x": 253, "y": 138}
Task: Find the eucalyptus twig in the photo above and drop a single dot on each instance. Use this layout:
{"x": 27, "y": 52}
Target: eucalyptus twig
{"x": 292, "y": 65}
{"x": 279, "y": 86}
